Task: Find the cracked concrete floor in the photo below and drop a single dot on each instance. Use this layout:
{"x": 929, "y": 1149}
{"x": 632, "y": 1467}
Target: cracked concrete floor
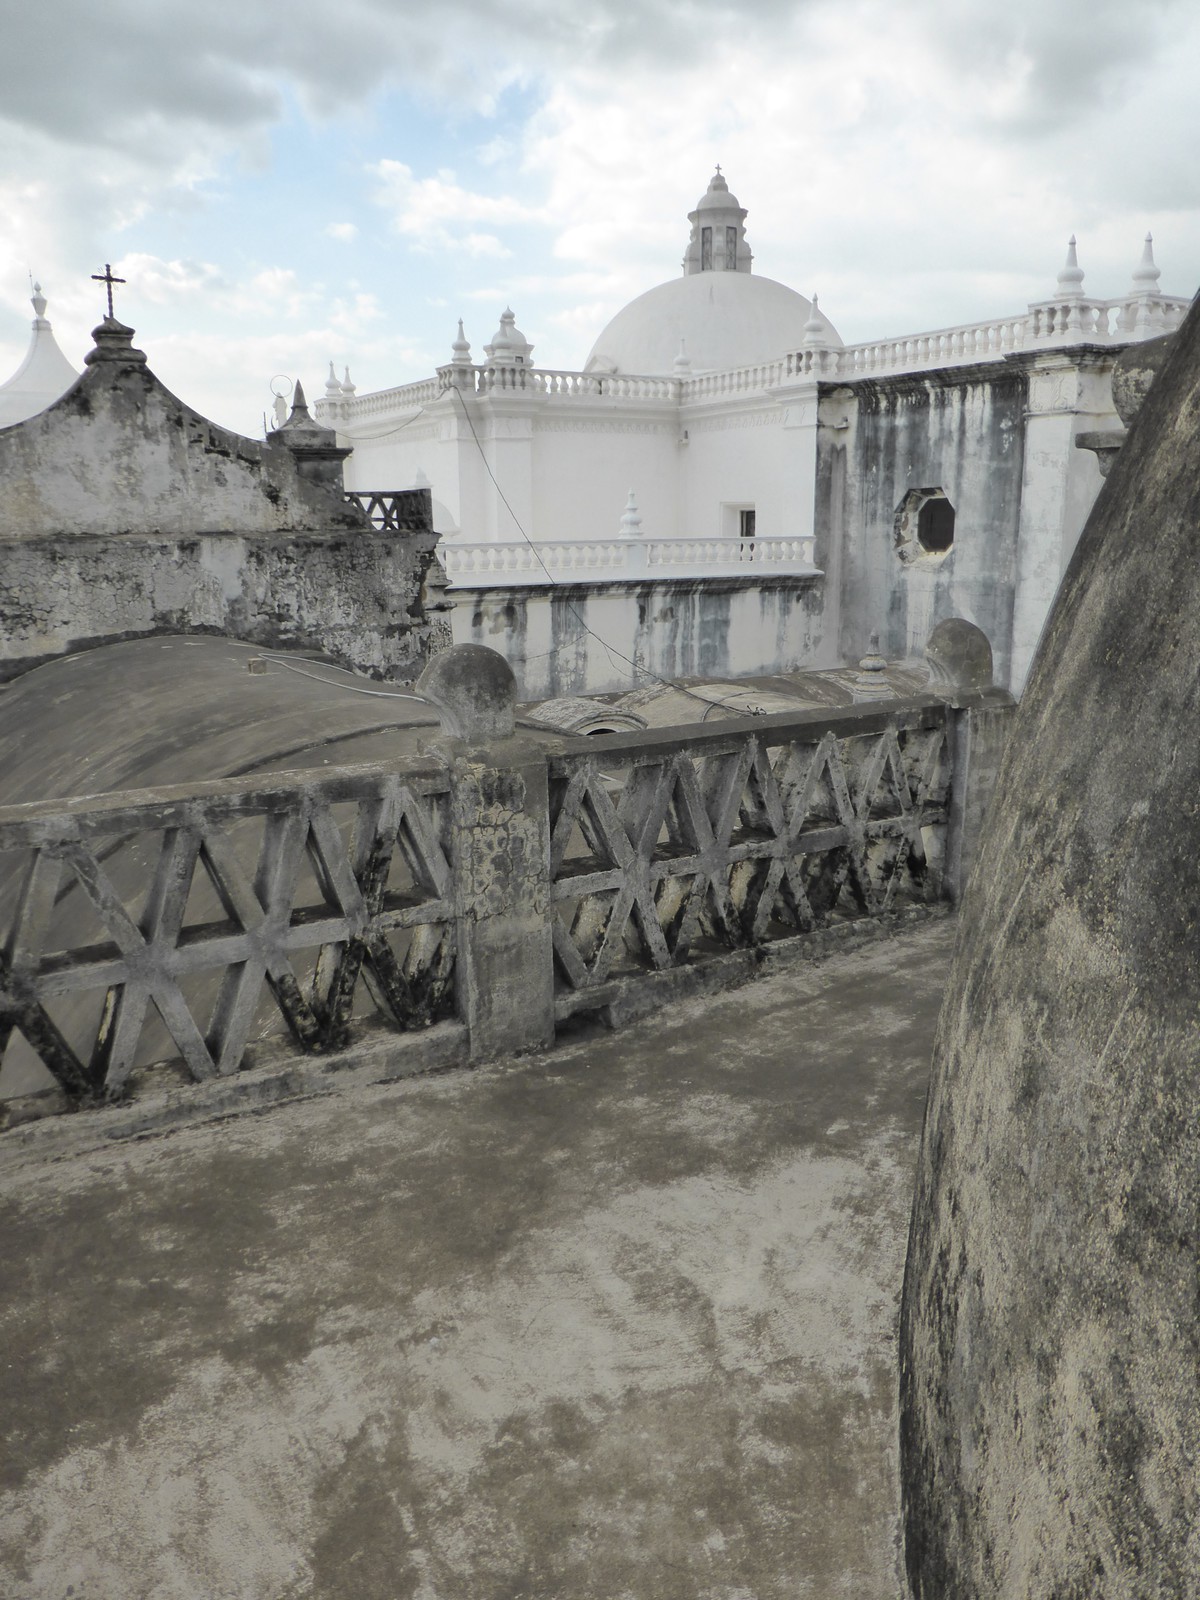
{"x": 612, "y": 1323}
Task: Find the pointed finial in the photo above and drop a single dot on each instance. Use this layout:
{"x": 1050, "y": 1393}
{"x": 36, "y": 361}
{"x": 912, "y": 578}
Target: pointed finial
{"x": 348, "y": 388}
{"x": 1146, "y": 274}
{"x": 814, "y": 328}
{"x": 299, "y": 403}
{"x": 631, "y": 521}
{"x": 461, "y": 348}
{"x": 683, "y": 362}
{"x": 38, "y": 302}
{"x": 1071, "y": 276}
{"x": 332, "y": 387}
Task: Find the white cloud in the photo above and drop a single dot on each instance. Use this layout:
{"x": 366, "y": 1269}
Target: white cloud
{"x": 917, "y": 165}
{"x": 436, "y": 213}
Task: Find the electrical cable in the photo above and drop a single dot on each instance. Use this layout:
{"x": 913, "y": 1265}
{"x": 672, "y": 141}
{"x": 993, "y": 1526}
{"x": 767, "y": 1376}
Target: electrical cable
{"x": 610, "y": 650}
{"x": 351, "y": 688}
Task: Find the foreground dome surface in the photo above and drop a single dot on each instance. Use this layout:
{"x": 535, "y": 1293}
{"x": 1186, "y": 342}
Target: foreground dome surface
{"x": 725, "y": 319}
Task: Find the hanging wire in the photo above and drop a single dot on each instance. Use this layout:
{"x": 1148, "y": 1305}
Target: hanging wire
{"x": 610, "y": 650}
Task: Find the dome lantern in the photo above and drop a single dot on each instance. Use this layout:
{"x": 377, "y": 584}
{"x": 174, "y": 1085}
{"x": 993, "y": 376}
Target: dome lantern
{"x": 718, "y": 238}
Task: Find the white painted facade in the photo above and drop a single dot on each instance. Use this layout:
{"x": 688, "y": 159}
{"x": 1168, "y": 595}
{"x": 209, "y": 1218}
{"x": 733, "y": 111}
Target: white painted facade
{"x": 723, "y": 393}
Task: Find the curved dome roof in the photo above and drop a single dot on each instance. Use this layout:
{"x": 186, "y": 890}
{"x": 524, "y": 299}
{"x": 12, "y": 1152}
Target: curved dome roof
{"x": 726, "y": 319}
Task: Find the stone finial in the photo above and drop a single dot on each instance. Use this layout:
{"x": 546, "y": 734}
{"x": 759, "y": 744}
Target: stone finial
{"x": 349, "y": 389}
{"x": 114, "y": 342}
{"x": 631, "y": 520}
{"x": 38, "y": 302}
{"x": 1146, "y": 274}
{"x": 318, "y": 455}
{"x": 460, "y": 350}
{"x": 333, "y": 389}
{"x": 1070, "y": 279}
{"x": 474, "y": 692}
{"x": 959, "y": 656}
{"x": 814, "y": 329}
{"x": 683, "y": 362}
{"x": 870, "y": 681}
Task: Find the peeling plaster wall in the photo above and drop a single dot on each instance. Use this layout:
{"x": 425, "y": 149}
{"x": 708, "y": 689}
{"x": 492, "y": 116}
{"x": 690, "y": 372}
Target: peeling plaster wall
{"x": 356, "y": 596}
{"x": 706, "y": 628}
{"x": 962, "y": 432}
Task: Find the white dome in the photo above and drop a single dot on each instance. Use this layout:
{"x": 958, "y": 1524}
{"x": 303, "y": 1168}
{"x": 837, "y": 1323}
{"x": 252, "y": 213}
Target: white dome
{"x": 42, "y": 378}
{"x": 727, "y": 319}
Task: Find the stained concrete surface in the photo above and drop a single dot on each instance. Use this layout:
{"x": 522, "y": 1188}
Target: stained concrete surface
{"x": 616, "y": 1322}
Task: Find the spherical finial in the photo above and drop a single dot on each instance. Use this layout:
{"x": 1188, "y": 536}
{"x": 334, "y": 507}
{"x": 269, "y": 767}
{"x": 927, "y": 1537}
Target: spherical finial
{"x": 38, "y": 302}
{"x": 1071, "y": 276}
{"x": 474, "y": 692}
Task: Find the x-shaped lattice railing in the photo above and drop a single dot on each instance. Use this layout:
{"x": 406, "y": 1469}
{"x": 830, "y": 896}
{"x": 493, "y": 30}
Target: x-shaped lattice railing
{"x": 146, "y": 958}
{"x": 717, "y": 839}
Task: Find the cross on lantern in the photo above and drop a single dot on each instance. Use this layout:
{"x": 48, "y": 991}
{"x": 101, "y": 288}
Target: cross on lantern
{"x": 107, "y": 277}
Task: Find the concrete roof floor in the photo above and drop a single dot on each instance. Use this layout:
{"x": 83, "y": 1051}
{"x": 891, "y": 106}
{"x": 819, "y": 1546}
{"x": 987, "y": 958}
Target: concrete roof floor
{"x": 615, "y": 1322}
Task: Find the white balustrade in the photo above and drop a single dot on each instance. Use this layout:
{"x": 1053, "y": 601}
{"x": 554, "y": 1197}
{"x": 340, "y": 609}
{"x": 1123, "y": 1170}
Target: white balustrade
{"x": 546, "y": 562}
{"x": 1050, "y": 324}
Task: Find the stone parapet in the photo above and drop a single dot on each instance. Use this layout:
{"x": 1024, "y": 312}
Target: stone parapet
{"x": 497, "y": 880}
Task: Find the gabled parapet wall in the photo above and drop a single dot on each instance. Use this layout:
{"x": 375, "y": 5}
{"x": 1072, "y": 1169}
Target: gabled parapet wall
{"x": 124, "y": 512}
{"x": 120, "y": 454}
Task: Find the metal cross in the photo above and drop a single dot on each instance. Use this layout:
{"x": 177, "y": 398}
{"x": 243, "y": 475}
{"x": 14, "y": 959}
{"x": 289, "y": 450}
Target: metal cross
{"x": 718, "y": 169}
{"x": 107, "y": 277}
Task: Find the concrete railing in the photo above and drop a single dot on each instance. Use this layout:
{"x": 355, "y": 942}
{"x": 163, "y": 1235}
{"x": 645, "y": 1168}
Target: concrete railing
{"x": 505, "y": 882}
{"x": 550, "y": 561}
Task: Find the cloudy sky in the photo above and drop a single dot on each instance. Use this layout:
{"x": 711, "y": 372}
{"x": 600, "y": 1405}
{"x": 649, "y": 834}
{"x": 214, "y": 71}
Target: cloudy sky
{"x": 287, "y": 184}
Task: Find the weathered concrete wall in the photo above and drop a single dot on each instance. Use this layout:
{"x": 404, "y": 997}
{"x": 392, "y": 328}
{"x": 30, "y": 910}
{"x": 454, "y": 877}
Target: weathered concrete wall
{"x": 357, "y": 595}
{"x": 586, "y": 638}
{"x": 120, "y": 454}
{"x": 1050, "y": 1337}
{"x": 960, "y": 431}
{"x": 123, "y": 512}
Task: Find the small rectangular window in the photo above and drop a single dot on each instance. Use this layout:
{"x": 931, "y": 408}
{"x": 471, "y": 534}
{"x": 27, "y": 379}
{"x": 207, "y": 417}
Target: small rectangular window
{"x": 731, "y": 249}
{"x": 706, "y": 249}
{"x": 746, "y": 522}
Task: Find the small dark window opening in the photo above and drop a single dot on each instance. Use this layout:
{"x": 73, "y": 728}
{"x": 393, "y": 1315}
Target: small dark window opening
{"x": 746, "y": 522}
{"x": 706, "y": 249}
{"x": 731, "y": 249}
{"x": 935, "y": 525}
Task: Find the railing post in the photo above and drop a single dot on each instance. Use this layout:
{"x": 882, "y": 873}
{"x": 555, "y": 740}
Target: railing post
{"x": 499, "y": 848}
